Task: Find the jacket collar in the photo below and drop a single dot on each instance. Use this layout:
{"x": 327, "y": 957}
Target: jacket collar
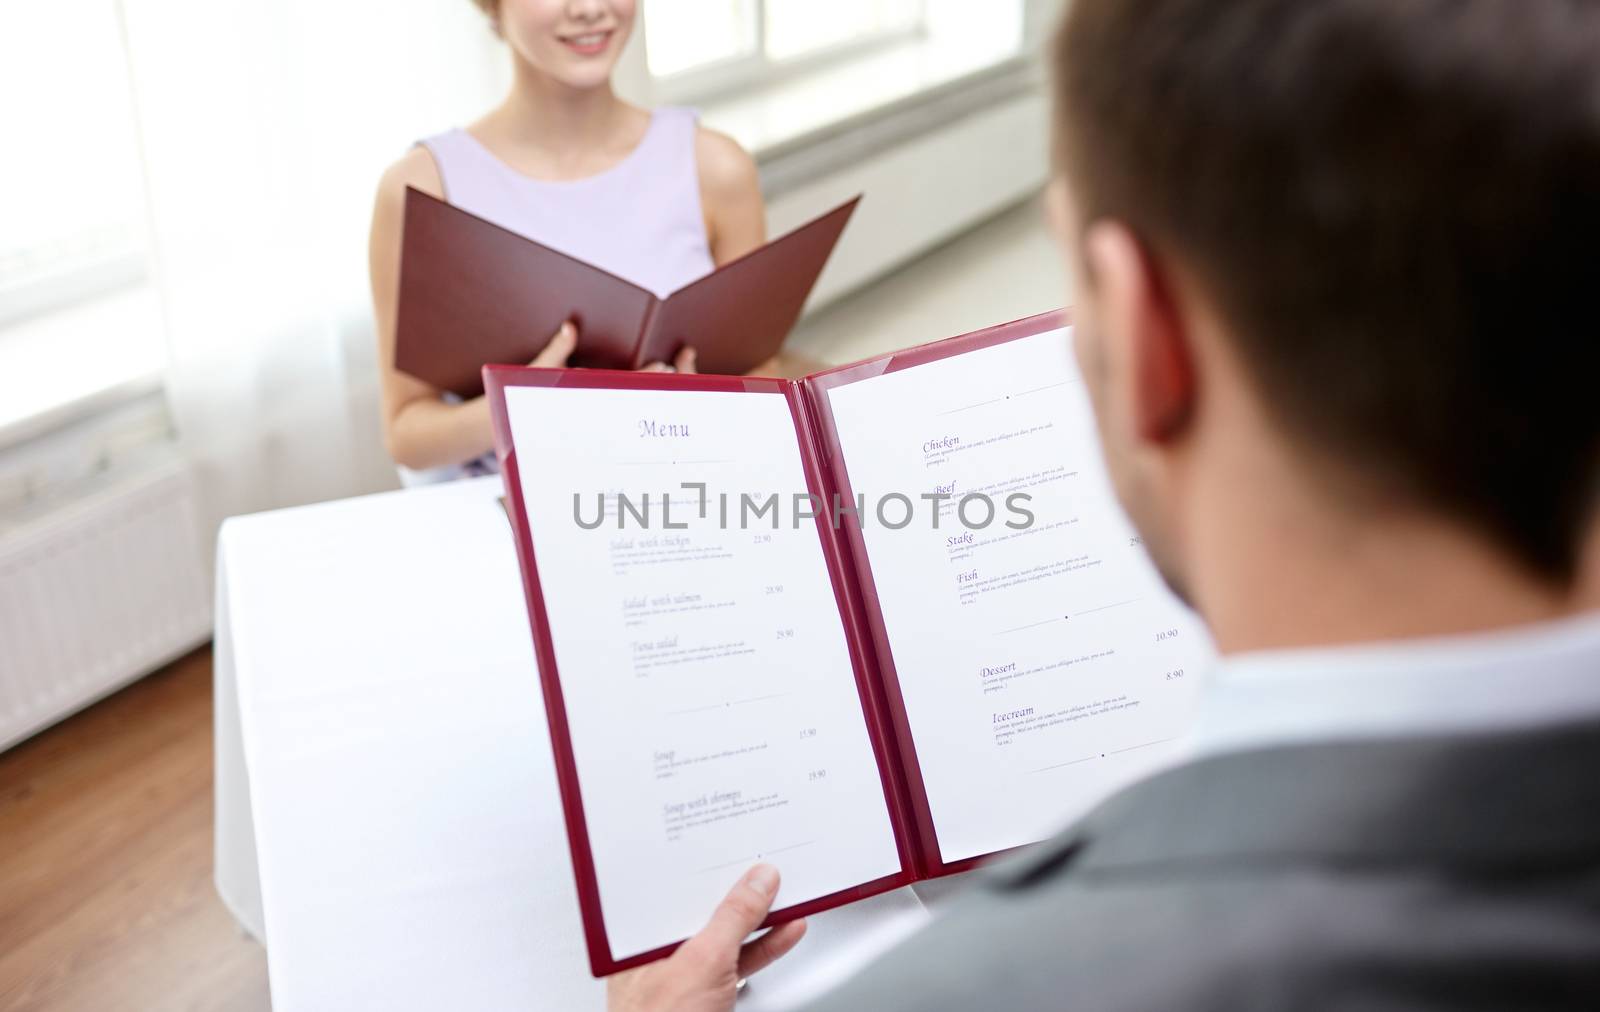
{"x": 1502, "y": 802}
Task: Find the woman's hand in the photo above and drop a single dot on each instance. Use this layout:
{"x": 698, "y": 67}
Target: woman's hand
{"x": 681, "y": 362}
{"x": 560, "y": 348}
{"x": 703, "y": 975}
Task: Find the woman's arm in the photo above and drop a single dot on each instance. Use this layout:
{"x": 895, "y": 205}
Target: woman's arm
{"x": 730, "y": 196}
{"x": 736, "y": 222}
{"x": 420, "y": 430}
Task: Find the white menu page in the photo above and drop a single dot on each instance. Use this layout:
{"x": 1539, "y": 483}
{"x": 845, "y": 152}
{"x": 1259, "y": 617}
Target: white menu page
{"x": 1042, "y": 667}
{"x": 712, "y": 705}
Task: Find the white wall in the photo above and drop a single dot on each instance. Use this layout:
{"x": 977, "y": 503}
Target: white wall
{"x": 924, "y": 191}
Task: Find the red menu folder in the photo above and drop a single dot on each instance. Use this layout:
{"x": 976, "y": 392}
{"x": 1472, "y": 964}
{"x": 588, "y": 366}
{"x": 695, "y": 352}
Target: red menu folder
{"x": 472, "y": 292}
{"x": 878, "y": 675}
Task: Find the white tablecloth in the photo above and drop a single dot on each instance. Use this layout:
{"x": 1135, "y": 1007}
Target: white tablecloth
{"x": 387, "y": 814}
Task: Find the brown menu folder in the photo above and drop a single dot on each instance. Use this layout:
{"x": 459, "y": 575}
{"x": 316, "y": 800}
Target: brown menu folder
{"x": 473, "y": 293}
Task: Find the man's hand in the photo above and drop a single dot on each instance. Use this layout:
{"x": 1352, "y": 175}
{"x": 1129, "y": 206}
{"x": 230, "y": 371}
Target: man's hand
{"x": 556, "y": 353}
{"x": 702, "y": 975}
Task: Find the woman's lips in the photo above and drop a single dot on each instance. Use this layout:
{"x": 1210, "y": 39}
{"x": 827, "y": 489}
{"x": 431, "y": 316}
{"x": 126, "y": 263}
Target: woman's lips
{"x": 587, "y": 44}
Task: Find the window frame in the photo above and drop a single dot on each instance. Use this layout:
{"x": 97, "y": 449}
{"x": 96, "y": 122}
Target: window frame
{"x": 112, "y": 264}
{"x": 119, "y": 266}
{"x": 756, "y": 70}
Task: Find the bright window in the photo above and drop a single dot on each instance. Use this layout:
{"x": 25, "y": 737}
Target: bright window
{"x": 71, "y": 200}
{"x": 72, "y": 210}
{"x": 796, "y": 28}
{"x": 684, "y": 35}
{"x": 700, "y": 46}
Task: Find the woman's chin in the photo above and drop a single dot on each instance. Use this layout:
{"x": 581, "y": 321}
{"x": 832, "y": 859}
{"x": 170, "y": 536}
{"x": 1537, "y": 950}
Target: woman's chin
{"x": 586, "y": 76}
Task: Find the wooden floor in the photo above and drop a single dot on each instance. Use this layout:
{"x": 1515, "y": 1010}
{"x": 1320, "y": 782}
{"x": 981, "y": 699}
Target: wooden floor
{"x": 106, "y": 899}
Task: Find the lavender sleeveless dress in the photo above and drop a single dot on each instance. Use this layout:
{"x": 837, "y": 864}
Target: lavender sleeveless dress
{"x": 640, "y": 219}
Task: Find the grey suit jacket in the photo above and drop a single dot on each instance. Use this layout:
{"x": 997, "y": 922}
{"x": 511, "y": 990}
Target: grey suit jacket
{"x": 1438, "y": 873}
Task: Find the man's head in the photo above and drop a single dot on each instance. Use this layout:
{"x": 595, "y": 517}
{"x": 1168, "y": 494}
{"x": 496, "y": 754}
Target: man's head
{"x": 1357, "y": 236}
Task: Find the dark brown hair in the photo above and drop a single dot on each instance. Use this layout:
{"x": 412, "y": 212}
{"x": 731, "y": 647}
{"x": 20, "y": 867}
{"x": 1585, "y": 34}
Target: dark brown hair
{"x": 1395, "y": 204}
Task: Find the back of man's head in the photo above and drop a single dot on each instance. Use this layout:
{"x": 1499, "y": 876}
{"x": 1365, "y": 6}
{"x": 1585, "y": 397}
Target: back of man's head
{"x": 1395, "y": 204}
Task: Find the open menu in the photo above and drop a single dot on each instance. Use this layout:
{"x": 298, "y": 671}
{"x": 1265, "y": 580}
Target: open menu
{"x": 473, "y": 292}
{"x": 871, "y": 626}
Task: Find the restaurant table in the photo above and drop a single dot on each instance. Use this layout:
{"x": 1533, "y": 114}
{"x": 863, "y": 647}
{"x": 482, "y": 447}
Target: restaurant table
{"x": 387, "y": 817}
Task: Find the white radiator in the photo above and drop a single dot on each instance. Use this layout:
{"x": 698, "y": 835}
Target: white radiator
{"x": 97, "y": 593}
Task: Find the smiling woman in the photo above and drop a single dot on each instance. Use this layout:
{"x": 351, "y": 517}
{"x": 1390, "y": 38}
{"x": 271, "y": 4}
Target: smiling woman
{"x": 648, "y": 195}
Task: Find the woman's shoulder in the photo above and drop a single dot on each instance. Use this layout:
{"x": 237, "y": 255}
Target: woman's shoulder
{"x": 725, "y": 167}
{"x": 417, "y": 169}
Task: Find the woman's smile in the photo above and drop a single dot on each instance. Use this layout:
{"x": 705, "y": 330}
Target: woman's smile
{"x": 591, "y": 43}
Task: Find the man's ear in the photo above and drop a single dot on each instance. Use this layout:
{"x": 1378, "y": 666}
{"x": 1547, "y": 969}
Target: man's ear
{"x": 1151, "y": 366}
